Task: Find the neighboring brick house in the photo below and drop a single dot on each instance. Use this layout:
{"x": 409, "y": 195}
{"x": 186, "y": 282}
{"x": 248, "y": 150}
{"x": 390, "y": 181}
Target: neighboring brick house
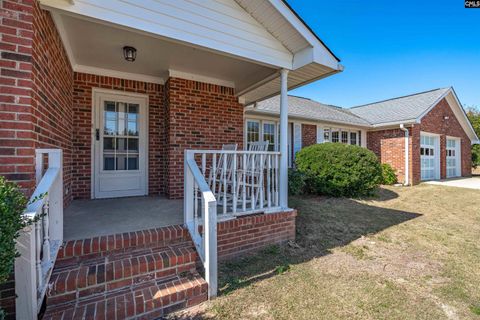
{"x": 117, "y": 99}
{"x": 439, "y": 133}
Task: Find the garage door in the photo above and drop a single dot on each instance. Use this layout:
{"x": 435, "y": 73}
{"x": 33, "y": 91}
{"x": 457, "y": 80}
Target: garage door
{"x": 429, "y": 164}
{"x": 453, "y": 158}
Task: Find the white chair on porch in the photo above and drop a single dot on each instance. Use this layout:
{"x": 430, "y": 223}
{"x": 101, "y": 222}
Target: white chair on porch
{"x": 250, "y": 178}
{"x": 221, "y": 171}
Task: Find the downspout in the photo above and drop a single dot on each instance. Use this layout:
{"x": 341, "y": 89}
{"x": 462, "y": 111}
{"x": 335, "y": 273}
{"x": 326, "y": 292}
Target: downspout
{"x": 407, "y": 169}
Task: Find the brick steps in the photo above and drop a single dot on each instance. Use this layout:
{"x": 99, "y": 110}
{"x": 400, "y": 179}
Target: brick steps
{"x": 149, "y": 300}
{"x": 146, "y": 274}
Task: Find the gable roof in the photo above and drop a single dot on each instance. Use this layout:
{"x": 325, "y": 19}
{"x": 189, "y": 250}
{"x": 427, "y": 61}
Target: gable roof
{"x": 399, "y": 110}
{"x": 308, "y": 109}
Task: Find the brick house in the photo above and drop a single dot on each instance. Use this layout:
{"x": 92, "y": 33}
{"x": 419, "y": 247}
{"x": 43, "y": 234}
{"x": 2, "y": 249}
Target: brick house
{"x": 119, "y": 100}
{"x": 433, "y": 124}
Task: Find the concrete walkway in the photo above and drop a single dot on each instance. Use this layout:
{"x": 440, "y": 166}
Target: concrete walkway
{"x": 469, "y": 183}
{"x": 90, "y": 218}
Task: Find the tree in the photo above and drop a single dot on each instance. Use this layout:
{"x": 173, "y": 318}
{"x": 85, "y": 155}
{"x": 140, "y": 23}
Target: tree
{"x": 473, "y": 114}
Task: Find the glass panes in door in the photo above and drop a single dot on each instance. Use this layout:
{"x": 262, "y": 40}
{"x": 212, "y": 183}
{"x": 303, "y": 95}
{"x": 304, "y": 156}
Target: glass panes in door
{"x": 427, "y": 157}
{"x": 120, "y": 136}
{"x": 451, "y": 158}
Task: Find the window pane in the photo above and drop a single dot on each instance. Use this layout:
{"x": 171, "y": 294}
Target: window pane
{"x": 335, "y": 135}
{"x": 326, "y": 135}
{"x": 132, "y": 145}
{"x": 108, "y": 144}
{"x": 133, "y": 162}
{"x": 344, "y": 137}
{"x": 110, "y": 127}
{"x": 121, "y": 162}
{"x": 253, "y": 131}
{"x": 108, "y": 162}
{"x": 353, "y": 138}
{"x": 121, "y": 144}
{"x": 121, "y": 108}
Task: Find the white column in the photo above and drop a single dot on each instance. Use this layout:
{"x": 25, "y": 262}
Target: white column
{"x": 283, "y": 187}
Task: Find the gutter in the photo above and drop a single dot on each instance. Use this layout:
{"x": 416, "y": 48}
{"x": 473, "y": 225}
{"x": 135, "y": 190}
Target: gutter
{"x": 407, "y": 169}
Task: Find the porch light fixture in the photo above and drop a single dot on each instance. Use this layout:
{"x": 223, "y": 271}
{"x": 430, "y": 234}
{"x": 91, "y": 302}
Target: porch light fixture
{"x": 129, "y": 53}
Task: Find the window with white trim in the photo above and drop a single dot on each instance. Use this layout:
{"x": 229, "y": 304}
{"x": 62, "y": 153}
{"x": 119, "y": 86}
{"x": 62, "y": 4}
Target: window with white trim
{"x": 253, "y": 131}
{"x": 335, "y": 136}
{"x": 262, "y": 130}
{"x": 345, "y": 137}
{"x": 269, "y": 134}
{"x": 326, "y": 135}
{"x": 353, "y": 138}
{"x": 427, "y": 157}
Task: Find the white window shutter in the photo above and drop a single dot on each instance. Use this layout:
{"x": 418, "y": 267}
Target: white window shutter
{"x": 319, "y": 134}
{"x": 297, "y": 137}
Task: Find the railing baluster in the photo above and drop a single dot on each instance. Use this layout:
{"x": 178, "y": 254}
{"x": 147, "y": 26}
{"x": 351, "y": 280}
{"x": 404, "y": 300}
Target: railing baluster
{"x": 224, "y": 173}
{"x": 214, "y": 168}
{"x": 269, "y": 173}
{"x": 276, "y": 180}
{"x": 46, "y": 232}
{"x": 244, "y": 182}
{"x": 234, "y": 183}
{"x": 38, "y": 248}
{"x": 261, "y": 182}
{"x": 252, "y": 191}
{"x": 204, "y": 163}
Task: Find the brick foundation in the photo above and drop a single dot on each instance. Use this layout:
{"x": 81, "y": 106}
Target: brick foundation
{"x": 309, "y": 135}
{"x": 251, "y": 233}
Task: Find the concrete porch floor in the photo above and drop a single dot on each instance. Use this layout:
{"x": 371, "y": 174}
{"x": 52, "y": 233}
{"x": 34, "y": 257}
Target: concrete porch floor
{"x": 90, "y": 218}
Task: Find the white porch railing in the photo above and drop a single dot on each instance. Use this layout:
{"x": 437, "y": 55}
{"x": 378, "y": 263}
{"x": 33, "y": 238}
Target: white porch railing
{"x": 38, "y": 244}
{"x": 232, "y": 183}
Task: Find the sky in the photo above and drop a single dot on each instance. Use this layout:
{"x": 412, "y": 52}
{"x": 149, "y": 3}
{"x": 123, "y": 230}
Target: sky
{"x": 395, "y": 48}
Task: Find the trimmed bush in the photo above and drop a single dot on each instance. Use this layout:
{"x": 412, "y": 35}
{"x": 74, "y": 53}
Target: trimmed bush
{"x": 296, "y": 182}
{"x": 339, "y": 170}
{"x": 388, "y": 174}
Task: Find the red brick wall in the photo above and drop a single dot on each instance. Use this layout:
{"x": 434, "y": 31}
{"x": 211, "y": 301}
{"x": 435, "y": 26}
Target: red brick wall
{"x": 389, "y": 145}
{"x": 435, "y": 122}
{"x": 309, "y": 135}
{"x": 36, "y": 85}
{"x": 250, "y": 233}
{"x": 82, "y": 122}
{"x": 199, "y": 116}
{"x": 16, "y": 127}
{"x": 52, "y": 93}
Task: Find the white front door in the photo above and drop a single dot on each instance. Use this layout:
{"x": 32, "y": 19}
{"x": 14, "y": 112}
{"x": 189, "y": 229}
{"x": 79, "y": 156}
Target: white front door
{"x": 453, "y": 158}
{"x": 120, "y": 144}
{"x": 429, "y": 155}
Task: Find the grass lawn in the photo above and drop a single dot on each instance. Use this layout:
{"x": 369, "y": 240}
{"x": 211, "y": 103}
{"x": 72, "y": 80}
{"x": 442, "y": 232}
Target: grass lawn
{"x": 408, "y": 253}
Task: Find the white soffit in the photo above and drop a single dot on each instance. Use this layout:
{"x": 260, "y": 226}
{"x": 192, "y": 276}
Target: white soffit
{"x": 220, "y": 25}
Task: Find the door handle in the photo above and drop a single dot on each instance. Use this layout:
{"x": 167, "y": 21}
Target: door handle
{"x": 97, "y": 134}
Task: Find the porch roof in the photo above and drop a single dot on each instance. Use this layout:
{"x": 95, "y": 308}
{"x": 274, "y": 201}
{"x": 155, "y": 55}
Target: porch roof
{"x": 236, "y": 43}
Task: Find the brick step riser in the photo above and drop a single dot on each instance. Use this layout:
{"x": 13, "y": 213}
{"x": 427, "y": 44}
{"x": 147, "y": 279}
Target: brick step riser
{"x": 150, "y": 302}
{"x": 104, "y": 245}
{"x": 112, "y": 287}
{"x": 72, "y": 284}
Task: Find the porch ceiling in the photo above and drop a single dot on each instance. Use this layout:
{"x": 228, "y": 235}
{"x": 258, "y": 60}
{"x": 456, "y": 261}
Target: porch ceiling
{"x": 94, "y": 46}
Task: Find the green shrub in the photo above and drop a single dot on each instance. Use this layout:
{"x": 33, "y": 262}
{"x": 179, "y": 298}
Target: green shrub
{"x": 338, "y": 170}
{"x": 12, "y": 205}
{"x": 388, "y": 174}
{"x": 476, "y": 155}
{"x": 296, "y": 182}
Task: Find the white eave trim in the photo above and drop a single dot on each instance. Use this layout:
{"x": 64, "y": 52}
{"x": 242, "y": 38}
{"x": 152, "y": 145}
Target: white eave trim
{"x": 318, "y": 52}
{"x": 473, "y": 136}
{"x": 118, "y": 74}
{"x": 395, "y": 123}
